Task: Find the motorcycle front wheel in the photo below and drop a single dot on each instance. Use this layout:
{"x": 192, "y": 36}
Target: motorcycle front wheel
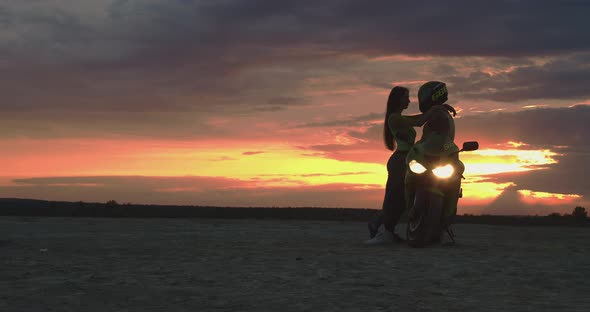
{"x": 424, "y": 219}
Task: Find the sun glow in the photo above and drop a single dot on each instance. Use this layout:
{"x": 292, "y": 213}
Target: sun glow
{"x": 516, "y": 144}
{"x": 478, "y": 191}
{"x": 493, "y": 161}
{"x": 532, "y": 197}
{"x": 478, "y": 164}
{"x": 251, "y": 165}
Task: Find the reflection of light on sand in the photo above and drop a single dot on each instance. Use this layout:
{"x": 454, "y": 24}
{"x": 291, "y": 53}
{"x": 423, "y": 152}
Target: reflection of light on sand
{"x": 532, "y": 197}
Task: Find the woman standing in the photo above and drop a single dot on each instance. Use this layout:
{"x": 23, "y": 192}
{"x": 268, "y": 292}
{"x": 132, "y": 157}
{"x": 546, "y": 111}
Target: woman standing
{"x": 399, "y": 136}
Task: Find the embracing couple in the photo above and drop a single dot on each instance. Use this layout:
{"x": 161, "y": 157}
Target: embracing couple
{"x": 399, "y": 136}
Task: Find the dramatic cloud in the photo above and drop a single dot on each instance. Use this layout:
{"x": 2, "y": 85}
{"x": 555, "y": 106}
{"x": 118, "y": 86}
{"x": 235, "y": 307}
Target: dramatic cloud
{"x": 561, "y": 130}
{"x": 567, "y": 176}
{"x": 511, "y": 202}
{"x": 542, "y": 127}
{"x": 182, "y": 55}
{"x": 349, "y": 122}
{"x": 560, "y": 78}
{"x": 505, "y": 28}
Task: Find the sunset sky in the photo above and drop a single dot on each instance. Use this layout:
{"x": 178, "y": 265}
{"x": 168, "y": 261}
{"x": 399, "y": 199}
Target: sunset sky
{"x": 281, "y": 103}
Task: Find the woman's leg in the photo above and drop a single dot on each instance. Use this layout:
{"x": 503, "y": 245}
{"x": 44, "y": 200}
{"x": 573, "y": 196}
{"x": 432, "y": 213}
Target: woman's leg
{"x": 375, "y": 224}
{"x": 394, "y": 202}
{"x": 380, "y": 216}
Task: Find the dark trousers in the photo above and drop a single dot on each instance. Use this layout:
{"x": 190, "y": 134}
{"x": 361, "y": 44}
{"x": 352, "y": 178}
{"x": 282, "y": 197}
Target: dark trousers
{"x": 394, "y": 202}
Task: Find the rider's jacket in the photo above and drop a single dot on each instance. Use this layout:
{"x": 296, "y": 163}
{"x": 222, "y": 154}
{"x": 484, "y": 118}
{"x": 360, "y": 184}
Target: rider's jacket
{"x": 438, "y": 135}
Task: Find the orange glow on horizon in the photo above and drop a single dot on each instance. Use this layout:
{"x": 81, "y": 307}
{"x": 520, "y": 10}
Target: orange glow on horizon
{"x": 265, "y": 164}
{"x": 494, "y": 161}
{"x": 262, "y": 163}
{"x": 516, "y": 144}
{"x": 532, "y": 197}
{"x": 477, "y": 192}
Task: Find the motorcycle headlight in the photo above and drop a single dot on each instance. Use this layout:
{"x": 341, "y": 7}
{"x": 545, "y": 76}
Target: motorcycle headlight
{"x": 417, "y": 167}
{"x": 444, "y": 171}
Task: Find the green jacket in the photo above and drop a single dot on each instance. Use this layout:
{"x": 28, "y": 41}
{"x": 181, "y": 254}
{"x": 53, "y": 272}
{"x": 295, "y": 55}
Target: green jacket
{"x": 438, "y": 135}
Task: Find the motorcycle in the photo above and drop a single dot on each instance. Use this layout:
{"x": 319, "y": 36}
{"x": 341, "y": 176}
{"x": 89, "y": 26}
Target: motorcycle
{"x": 433, "y": 189}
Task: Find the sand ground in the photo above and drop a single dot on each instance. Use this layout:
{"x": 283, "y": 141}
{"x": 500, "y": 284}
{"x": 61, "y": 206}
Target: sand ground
{"x": 95, "y": 264}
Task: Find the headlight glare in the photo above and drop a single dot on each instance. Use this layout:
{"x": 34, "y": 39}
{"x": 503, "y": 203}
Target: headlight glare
{"x": 444, "y": 171}
{"x": 417, "y": 167}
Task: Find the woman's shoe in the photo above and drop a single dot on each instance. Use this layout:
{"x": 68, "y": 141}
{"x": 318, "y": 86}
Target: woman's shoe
{"x": 373, "y": 229}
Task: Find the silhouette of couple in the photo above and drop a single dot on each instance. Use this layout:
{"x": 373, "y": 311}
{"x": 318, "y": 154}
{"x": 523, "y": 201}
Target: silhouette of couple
{"x": 399, "y": 136}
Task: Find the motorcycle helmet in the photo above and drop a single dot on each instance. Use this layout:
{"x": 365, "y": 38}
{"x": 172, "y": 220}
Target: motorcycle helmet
{"x": 432, "y": 93}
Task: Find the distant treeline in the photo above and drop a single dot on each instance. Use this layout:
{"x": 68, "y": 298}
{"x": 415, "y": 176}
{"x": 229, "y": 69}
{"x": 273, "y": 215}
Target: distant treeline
{"x": 112, "y": 209}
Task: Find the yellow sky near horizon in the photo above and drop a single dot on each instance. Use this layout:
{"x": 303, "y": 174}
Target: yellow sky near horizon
{"x": 261, "y": 164}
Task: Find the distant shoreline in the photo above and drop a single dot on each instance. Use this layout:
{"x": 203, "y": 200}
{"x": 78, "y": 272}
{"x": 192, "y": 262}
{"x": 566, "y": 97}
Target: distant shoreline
{"x": 112, "y": 209}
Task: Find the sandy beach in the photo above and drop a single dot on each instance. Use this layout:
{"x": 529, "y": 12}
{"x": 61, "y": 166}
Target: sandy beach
{"x": 108, "y": 264}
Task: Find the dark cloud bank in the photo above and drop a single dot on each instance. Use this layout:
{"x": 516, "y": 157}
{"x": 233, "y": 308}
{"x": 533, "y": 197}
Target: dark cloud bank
{"x": 149, "y": 55}
{"x": 562, "y": 78}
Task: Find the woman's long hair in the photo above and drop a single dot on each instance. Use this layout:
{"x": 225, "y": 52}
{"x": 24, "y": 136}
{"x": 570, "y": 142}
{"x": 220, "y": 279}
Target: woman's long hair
{"x": 393, "y": 105}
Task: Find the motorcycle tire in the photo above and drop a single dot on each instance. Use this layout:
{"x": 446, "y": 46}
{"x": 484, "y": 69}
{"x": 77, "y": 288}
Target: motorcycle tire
{"x": 424, "y": 219}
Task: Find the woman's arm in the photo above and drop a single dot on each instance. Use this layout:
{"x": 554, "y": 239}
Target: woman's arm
{"x": 398, "y": 121}
{"x": 403, "y": 121}
{"x": 450, "y": 109}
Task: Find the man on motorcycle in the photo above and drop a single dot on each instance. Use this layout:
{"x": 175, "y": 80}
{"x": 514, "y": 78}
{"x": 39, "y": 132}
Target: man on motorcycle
{"x": 439, "y": 132}
{"x": 436, "y": 143}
